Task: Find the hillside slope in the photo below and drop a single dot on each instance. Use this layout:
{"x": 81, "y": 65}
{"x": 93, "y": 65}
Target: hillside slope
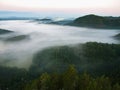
{"x": 97, "y": 22}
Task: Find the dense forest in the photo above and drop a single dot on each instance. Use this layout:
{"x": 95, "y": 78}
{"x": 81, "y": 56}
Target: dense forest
{"x": 89, "y": 66}
{"x": 71, "y": 80}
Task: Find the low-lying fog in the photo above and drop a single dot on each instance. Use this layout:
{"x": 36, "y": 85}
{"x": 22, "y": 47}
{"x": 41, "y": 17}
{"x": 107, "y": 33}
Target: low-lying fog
{"x": 19, "y": 47}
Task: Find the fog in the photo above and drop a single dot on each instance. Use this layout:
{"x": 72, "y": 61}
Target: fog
{"x": 19, "y": 52}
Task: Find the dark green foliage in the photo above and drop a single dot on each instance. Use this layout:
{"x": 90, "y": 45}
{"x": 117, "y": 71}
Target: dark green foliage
{"x": 84, "y": 81}
{"x": 90, "y": 20}
{"x": 98, "y": 21}
{"x": 12, "y": 78}
{"x": 105, "y": 58}
{"x": 97, "y": 59}
{"x": 54, "y": 59}
{"x": 100, "y": 52}
{"x": 116, "y": 87}
{"x": 55, "y": 82}
{"x": 71, "y": 80}
{"x": 44, "y": 82}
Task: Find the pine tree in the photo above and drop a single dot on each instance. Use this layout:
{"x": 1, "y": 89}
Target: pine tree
{"x": 54, "y": 82}
{"x": 44, "y": 82}
{"x": 116, "y": 87}
{"x": 70, "y": 78}
{"x": 84, "y": 81}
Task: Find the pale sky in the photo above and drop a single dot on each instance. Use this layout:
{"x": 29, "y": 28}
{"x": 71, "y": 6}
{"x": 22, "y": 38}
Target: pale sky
{"x": 103, "y": 7}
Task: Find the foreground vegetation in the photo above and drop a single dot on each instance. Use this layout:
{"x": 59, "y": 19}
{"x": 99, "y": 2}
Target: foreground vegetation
{"x": 101, "y": 62}
{"x": 71, "y": 80}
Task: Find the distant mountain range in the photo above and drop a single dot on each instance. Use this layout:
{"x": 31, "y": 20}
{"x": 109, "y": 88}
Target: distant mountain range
{"x": 54, "y": 21}
{"x": 91, "y": 21}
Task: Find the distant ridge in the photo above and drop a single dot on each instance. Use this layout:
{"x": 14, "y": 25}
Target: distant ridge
{"x": 97, "y": 21}
{"x": 3, "y": 31}
{"x": 117, "y": 36}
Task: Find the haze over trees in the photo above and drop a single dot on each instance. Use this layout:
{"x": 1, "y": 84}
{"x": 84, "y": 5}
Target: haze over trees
{"x": 49, "y": 45}
{"x": 50, "y": 71}
{"x": 89, "y": 66}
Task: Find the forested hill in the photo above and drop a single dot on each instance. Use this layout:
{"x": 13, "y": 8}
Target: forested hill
{"x": 51, "y": 69}
{"x": 95, "y": 21}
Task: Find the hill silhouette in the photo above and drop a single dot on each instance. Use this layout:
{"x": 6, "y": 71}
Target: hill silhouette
{"x": 97, "y": 21}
